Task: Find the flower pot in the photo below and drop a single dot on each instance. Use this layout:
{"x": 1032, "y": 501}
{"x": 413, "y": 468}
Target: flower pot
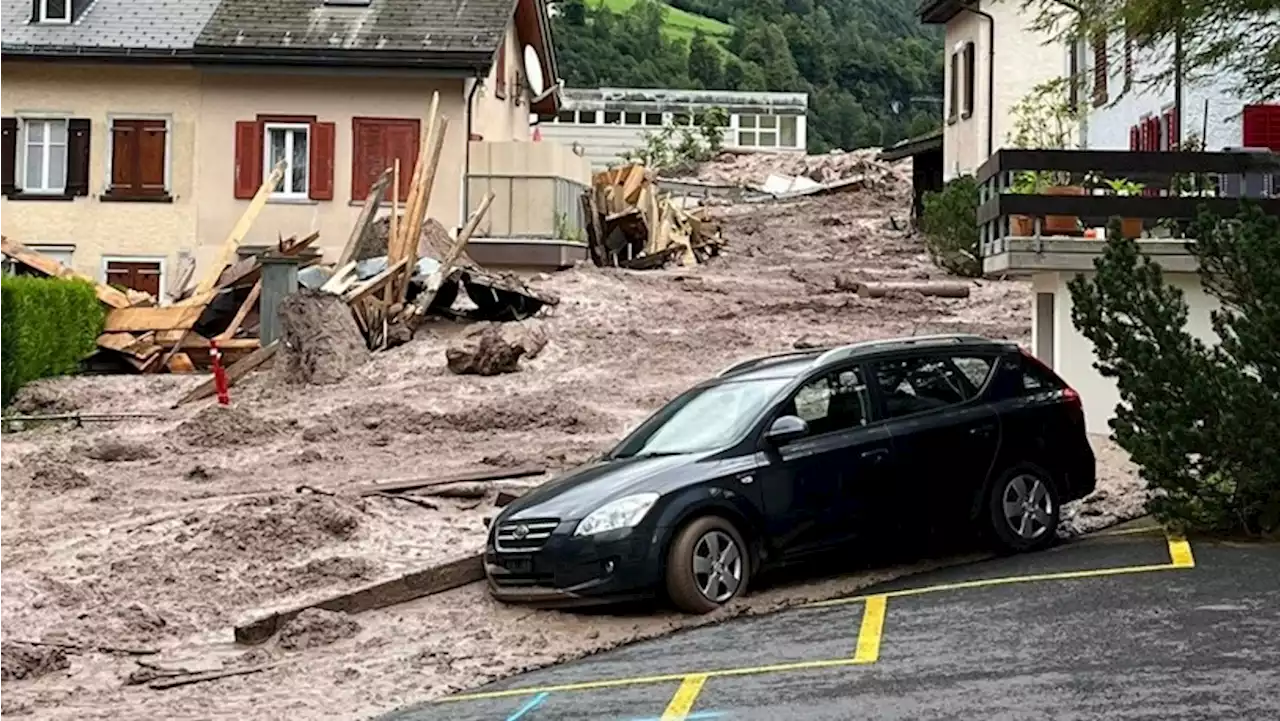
{"x": 1131, "y": 227}
{"x": 1022, "y": 225}
{"x": 1062, "y": 224}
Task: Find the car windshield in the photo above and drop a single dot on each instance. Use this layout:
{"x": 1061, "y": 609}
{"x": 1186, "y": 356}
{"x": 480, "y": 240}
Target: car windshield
{"x": 701, "y": 419}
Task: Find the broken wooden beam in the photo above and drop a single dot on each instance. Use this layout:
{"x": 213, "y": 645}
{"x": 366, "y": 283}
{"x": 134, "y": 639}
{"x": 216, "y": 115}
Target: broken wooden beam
{"x": 940, "y": 289}
{"x": 51, "y": 267}
{"x": 365, "y": 219}
{"x": 227, "y": 251}
{"x": 174, "y": 317}
{"x": 411, "y": 484}
{"x": 186, "y": 679}
{"x": 427, "y": 582}
{"x": 235, "y": 372}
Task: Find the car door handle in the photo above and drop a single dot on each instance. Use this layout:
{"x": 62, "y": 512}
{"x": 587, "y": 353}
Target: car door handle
{"x": 983, "y": 430}
{"x": 875, "y": 454}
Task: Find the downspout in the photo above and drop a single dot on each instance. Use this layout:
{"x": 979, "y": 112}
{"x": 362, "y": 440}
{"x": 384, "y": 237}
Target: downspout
{"x": 991, "y": 76}
{"x": 466, "y": 162}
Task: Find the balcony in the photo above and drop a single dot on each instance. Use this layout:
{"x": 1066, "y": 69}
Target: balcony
{"x": 1047, "y": 210}
{"x": 535, "y": 221}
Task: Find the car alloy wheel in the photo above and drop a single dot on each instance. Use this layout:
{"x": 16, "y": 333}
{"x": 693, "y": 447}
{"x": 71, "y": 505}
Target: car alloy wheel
{"x": 717, "y": 566}
{"x": 1028, "y": 506}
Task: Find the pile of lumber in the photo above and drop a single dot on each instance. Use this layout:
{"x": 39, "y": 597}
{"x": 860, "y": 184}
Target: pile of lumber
{"x": 630, "y": 225}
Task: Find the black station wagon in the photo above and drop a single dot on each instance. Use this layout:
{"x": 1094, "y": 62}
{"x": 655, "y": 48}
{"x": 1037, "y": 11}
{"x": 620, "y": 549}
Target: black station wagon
{"x": 782, "y": 457}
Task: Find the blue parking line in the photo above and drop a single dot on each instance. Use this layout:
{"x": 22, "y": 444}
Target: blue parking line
{"x": 696, "y": 716}
{"x": 531, "y": 705}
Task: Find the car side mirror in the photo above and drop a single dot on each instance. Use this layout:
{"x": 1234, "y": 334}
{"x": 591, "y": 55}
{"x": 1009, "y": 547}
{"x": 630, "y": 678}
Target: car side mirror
{"x": 786, "y": 428}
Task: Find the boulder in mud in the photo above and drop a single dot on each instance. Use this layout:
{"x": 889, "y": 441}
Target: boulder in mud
{"x": 21, "y": 661}
{"x": 316, "y": 627}
{"x": 491, "y": 349}
{"x": 321, "y": 342}
{"x": 112, "y": 451}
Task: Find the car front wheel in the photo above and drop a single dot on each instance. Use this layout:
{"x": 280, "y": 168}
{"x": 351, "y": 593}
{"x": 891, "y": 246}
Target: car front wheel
{"x": 1024, "y": 509}
{"x": 707, "y": 565}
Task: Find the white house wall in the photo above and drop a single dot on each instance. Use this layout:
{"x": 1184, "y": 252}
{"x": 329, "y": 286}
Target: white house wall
{"x": 1108, "y": 126}
{"x": 1023, "y": 60}
{"x": 1074, "y": 355}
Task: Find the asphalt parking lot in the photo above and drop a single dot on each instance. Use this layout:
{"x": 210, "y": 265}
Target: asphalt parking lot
{"x": 1130, "y": 625}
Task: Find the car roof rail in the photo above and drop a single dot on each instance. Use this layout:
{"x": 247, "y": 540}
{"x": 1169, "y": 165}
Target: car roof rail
{"x": 846, "y": 351}
{"x": 750, "y": 363}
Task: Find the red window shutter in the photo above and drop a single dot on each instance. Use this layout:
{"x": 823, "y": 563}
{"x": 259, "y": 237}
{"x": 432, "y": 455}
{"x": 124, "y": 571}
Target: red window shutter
{"x": 1171, "y": 135}
{"x": 366, "y": 156}
{"x": 248, "y": 158}
{"x": 402, "y": 143}
{"x": 321, "y": 161}
{"x": 1262, "y": 127}
{"x": 500, "y": 78}
{"x": 1101, "y": 69}
{"x": 1135, "y": 138}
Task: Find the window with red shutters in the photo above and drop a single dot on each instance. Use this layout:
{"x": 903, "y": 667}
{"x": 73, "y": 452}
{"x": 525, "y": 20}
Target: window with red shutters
{"x": 1171, "y": 136}
{"x": 307, "y": 147}
{"x": 1100, "y": 69}
{"x": 1135, "y": 138}
{"x": 376, "y": 144}
{"x": 1262, "y": 127}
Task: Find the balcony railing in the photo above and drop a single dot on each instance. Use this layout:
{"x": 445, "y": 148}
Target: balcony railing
{"x": 1071, "y": 193}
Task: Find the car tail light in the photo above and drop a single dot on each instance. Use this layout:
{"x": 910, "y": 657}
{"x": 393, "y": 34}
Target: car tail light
{"x": 1069, "y": 394}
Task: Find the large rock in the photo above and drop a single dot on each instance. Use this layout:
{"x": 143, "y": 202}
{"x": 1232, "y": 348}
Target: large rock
{"x": 490, "y": 349}
{"x": 321, "y": 342}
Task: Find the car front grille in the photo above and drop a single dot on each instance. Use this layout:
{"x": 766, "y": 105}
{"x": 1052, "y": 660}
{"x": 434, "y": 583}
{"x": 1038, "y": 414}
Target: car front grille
{"x": 524, "y": 536}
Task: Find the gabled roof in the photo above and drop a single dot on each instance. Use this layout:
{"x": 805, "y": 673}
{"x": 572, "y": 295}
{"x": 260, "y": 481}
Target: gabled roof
{"x": 385, "y": 27}
{"x": 940, "y": 12}
{"x": 108, "y": 26}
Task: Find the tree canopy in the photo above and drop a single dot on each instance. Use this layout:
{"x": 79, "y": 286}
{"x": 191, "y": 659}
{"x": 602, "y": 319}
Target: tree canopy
{"x": 856, "y": 59}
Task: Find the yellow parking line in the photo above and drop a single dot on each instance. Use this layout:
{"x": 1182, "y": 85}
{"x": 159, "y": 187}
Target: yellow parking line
{"x": 872, "y": 626}
{"x": 1180, "y": 553}
{"x": 682, "y": 702}
{"x": 1128, "y": 531}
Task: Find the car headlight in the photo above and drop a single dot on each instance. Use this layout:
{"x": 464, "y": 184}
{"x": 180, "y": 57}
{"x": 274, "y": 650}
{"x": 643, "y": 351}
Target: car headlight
{"x": 623, "y": 513}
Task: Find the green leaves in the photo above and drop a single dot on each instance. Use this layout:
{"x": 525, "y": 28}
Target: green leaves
{"x": 49, "y": 326}
{"x": 950, "y": 225}
{"x": 1202, "y": 421}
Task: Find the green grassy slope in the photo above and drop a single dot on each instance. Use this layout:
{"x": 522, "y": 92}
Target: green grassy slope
{"x": 680, "y": 25}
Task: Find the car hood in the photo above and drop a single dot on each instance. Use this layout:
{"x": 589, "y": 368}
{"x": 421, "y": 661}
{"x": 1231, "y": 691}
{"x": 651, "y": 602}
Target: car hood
{"x": 586, "y": 488}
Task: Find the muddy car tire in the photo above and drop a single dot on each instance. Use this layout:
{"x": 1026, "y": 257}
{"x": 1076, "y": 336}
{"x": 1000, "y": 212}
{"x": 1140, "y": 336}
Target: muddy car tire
{"x": 707, "y": 565}
{"x": 1023, "y": 509}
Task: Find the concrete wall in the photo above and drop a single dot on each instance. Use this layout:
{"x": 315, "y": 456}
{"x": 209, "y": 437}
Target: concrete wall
{"x": 146, "y": 231}
{"x": 536, "y": 188}
{"x": 1074, "y": 355}
{"x": 1022, "y": 60}
{"x": 602, "y": 145}
{"x": 1108, "y": 126}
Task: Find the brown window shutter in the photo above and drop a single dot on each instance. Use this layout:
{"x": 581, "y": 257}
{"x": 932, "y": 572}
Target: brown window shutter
{"x": 78, "y": 156}
{"x": 151, "y": 157}
{"x": 953, "y": 99}
{"x": 402, "y": 143}
{"x": 321, "y": 161}
{"x": 367, "y": 160}
{"x": 970, "y": 78}
{"x": 248, "y": 174}
{"x": 9, "y": 134}
{"x": 124, "y": 157}
{"x": 1100, "y": 69}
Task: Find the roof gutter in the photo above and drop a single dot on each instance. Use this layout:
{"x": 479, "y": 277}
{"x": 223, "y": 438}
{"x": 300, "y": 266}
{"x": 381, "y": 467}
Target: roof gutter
{"x": 991, "y": 75}
{"x": 469, "y": 61}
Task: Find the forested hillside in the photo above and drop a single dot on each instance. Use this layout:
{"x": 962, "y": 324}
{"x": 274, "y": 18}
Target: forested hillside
{"x": 857, "y": 59}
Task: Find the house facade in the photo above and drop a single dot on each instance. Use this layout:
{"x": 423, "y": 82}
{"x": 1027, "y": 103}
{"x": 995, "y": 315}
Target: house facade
{"x": 137, "y": 131}
{"x": 993, "y": 60}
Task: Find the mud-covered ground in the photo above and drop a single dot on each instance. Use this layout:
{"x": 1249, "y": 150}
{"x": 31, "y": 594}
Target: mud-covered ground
{"x": 164, "y": 532}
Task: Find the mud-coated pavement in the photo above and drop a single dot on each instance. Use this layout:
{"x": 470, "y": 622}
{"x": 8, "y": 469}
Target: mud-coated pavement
{"x": 1124, "y": 626}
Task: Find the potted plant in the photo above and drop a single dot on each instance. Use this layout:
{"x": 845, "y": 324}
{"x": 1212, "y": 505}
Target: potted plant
{"x": 1129, "y": 227}
{"x": 1024, "y": 183}
{"x": 1046, "y": 119}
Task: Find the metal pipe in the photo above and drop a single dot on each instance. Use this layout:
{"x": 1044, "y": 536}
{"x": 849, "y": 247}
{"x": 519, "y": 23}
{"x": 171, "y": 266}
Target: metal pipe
{"x": 466, "y": 153}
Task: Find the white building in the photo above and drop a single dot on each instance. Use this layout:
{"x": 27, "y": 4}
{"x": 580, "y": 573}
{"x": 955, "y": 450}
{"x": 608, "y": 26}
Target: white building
{"x": 607, "y": 122}
{"x": 994, "y": 60}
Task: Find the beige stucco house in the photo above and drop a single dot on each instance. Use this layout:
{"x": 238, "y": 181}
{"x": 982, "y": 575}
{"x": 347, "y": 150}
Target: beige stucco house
{"x": 993, "y": 60}
{"x": 136, "y": 131}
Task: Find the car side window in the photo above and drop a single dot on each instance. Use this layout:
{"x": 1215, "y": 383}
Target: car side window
{"x": 832, "y": 402}
{"x": 976, "y": 369}
{"x": 915, "y": 385}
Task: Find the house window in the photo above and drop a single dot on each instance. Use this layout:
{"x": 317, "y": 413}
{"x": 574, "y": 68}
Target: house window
{"x": 1100, "y": 69}
{"x": 44, "y": 159}
{"x": 633, "y": 118}
{"x": 134, "y": 274}
{"x": 969, "y": 73}
{"x": 612, "y": 117}
{"x": 290, "y": 143}
{"x": 567, "y": 116}
{"x": 953, "y": 89}
{"x": 54, "y": 11}
{"x": 747, "y": 136}
{"x": 653, "y": 119}
{"x": 376, "y": 145}
{"x": 139, "y": 158}
{"x": 790, "y": 139}
{"x": 61, "y": 252}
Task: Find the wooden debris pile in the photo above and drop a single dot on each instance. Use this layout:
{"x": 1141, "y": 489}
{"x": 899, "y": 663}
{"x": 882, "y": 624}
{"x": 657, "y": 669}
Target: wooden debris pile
{"x": 629, "y": 225}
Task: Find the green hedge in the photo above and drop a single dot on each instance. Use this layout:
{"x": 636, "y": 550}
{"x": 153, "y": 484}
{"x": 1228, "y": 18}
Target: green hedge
{"x": 49, "y": 325}
{"x": 950, "y": 225}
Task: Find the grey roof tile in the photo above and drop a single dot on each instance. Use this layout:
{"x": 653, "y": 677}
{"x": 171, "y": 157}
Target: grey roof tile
{"x": 157, "y": 25}
{"x": 384, "y": 25}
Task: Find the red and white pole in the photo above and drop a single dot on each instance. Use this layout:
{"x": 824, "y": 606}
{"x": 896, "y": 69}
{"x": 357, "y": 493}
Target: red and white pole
{"x": 219, "y": 374}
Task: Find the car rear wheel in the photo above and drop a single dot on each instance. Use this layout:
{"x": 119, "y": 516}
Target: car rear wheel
{"x": 707, "y": 565}
{"x": 1024, "y": 509}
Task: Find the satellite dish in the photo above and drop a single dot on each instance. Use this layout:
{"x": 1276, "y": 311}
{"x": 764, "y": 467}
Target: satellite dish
{"x": 533, "y": 71}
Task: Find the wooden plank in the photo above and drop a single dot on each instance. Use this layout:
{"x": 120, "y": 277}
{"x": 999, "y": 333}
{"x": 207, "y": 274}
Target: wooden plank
{"x": 408, "y": 587}
{"x": 249, "y": 269}
{"x": 413, "y": 484}
{"x": 371, "y": 202}
{"x": 409, "y": 248}
{"x": 228, "y": 250}
{"x": 116, "y": 341}
{"x": 43, "y": 263}
{"x": 395, "y": 246}
{"x": 342, "y": 279}
{"x": 196, "y": 342}
{"x": 180, "y": 363}
{"x": 374, "y": 284}
{"x": 394, "y": 223}
{"x": 190, "y": 678}
{"x": 234, "y": 372}
{"x": 142, "y": 319}
{"x": 242, "y": 313}
{"x": 631, "y": 185}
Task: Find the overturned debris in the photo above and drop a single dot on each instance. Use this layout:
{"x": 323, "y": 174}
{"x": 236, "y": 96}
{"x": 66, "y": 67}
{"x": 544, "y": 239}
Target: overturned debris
{"x": 630, "y": 226}
{"x": 321, "y": 341}
{"x": 493, "y": 349}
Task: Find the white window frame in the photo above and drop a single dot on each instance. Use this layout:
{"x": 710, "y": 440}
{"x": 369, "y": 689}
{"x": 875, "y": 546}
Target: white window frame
{"x": 54, "y": 249}
{"x": 285, "y": 190}
{"x": 44, "y": 14}
{"x": 168, "y": 145}
{"x": 161, "y": 260}
{"x": 21, "y": 170}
